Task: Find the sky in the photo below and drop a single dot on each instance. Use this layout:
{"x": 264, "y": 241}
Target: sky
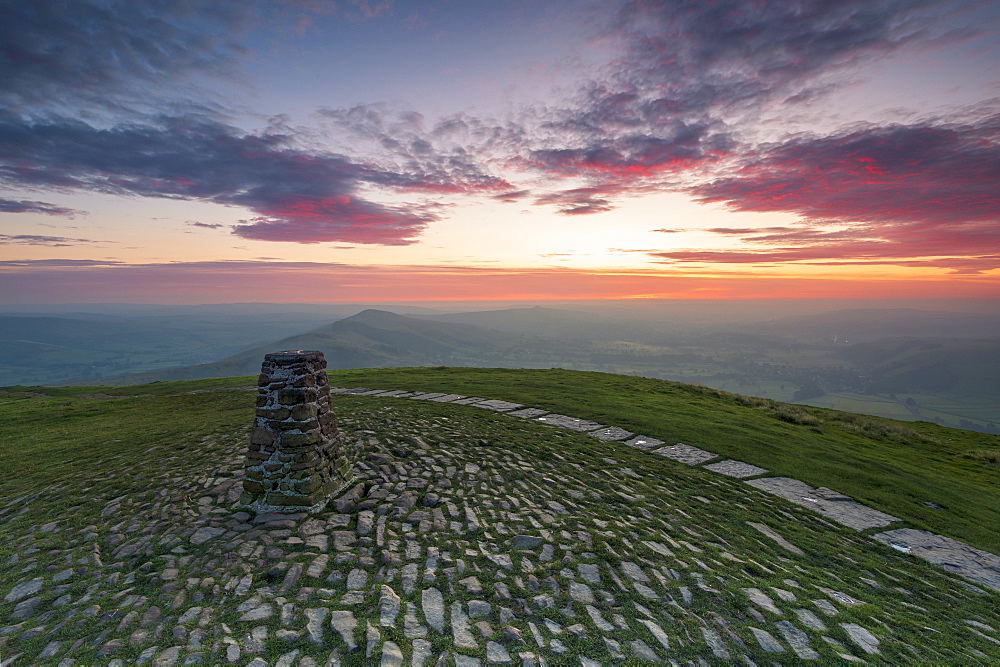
{"x": 196, "y": 151}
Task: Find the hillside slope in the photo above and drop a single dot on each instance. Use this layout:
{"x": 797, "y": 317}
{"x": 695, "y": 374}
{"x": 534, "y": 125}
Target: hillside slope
{"x": 556, "y": 323}
{"x": 475, "y": 536}
{"x": 377, "y": 338}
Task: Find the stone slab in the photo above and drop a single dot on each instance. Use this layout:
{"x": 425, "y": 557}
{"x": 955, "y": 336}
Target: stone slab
{"x": 206, "y": 533}
{"x": 612, "y": 433}
{"x": 685, "y": 454}
{"x": 781, "y": 541}
{"x": 572, "y": 423}
{"x": 733, "y": 468}
{"x": 469, "y": 401}
{"x": 426, "y": 395}
{"x": 447, "y": 398}
{"x": 528, "y": 413}
{"x": 835, "y": 506}
{"x": 499, "y": 406}
{"x": 395, "y": 393}
{"x": 644, "y": 442}
{"x": 975, "y": 565}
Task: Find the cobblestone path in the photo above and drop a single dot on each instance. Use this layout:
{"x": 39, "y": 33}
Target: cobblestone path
{"x": 470, "y": 537}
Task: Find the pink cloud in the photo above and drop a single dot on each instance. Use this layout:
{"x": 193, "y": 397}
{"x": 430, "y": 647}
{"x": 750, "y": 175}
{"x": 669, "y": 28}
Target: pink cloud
{"x": 299, "y": 195}
{"x": 338, "y": 218}
{"x": 922, "y": 192}
{"x": 931, "y": 175}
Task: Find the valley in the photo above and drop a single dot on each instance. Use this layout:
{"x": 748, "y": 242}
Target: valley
{"x": 903, "y": 363}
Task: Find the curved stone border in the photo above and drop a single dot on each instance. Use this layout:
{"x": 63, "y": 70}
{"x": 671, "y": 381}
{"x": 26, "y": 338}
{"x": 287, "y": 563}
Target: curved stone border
{"x": 951, "y": 555}
{"x": 954, "y": 556}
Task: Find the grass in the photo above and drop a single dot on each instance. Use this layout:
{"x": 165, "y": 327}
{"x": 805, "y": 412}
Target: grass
{"x": 43, "y": 440}
{"x": 952, "y": 409}
{"x": 864, "y": 403}
{"x": 893, "y": 466}
{"x": 69, "y": 439}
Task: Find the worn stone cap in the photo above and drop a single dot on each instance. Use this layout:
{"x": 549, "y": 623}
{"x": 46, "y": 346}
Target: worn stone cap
{"x": 286, "y": 356}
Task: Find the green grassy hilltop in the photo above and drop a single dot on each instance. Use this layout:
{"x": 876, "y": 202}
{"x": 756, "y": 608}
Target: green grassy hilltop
{"x": 907, "y": 469}
{"x": 481, "y": 536}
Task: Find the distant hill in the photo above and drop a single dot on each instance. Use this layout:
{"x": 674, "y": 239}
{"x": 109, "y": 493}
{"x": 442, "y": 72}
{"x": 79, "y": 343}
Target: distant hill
{"x": 553, "y": 322}
{"x": 954, "y": 381}
{"x": 378, "y": 338}
{"x": 44, "y": 349}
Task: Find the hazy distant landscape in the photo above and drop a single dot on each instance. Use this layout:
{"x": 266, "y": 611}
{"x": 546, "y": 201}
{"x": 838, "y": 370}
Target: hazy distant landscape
{"x": 901, "y": 362}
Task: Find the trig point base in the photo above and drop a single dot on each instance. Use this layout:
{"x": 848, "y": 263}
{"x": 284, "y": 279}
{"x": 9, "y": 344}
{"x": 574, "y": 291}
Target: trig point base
{"x": 296, "y": 459}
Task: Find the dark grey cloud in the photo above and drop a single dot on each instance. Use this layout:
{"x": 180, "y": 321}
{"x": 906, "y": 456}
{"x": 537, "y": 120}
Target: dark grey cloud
{"x": 25, "y": 206}
{"x": 449, "y": 156}
{"x": 66, "y": 52}
{"x": 683, "y": 56}
{"x": 35, "y": 239}
{"x": 578, "y": 201}
{"x": 512, "y": 196}
{"x": 691, "y": 74}
{"x": 58, "y": 263}
{"x": 667, "y": 149}
{"x": 299, "y": 195}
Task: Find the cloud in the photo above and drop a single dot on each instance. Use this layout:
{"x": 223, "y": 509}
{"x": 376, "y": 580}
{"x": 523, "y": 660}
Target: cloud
{"x": 927, "y": 189}
{"x": 683, "y": 56}
{"x": 205, "y": 225}
{"x": 512, "y": 197}
{"x": 338, "y": 218}
{"x": 64, "y": 53}
{"x": 634, "y": 156}
{"x": 674, "y": 107}
{"x": 864, "y": 253}
{"x": 34, "y": 239}
{"x": 691, "y": 78}
{"x": 352, "y": 10}
{"x": 934, "y": 174}
{"x": 24, "y": 206}
{"x": 451, "y": 156}
{"x": 56, "y": 263}
{"x": 299, "y": 195}
{"x": 578, "y": 201}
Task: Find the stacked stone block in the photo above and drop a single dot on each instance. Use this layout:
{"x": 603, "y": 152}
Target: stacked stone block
{"x": 296, "y": 456}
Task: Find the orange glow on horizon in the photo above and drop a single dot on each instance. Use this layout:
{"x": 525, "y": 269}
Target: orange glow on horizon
{"x": 217, "y": 282}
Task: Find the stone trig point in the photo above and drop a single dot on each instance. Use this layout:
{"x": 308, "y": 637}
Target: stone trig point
{"x": 296, "y": 459}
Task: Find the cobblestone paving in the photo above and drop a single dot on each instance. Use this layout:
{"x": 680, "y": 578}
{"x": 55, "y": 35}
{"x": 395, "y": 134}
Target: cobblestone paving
{"x": 473, "y": 537}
